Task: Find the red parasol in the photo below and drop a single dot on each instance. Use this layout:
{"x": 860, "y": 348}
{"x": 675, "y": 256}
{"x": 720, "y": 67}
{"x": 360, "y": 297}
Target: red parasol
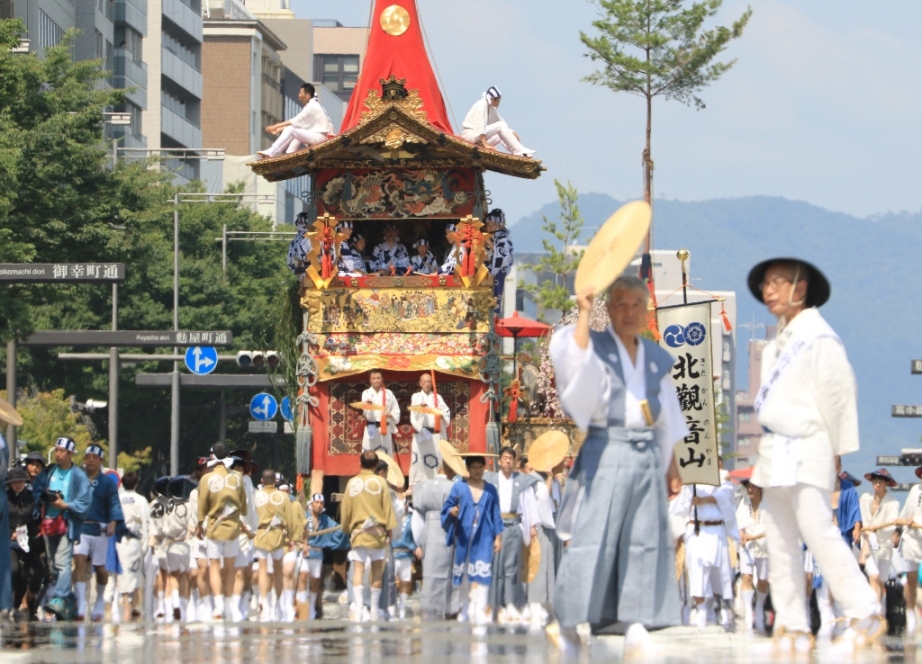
{"x": 741, "y": 474}
{"x": 516, "y": 326}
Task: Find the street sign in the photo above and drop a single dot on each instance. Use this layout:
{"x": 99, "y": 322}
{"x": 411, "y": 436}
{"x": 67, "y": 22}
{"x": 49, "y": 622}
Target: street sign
{"x": 72, "y": 273}
{"x": 906, "y": 411}
{"x": 286, "y": 409}
{"x": 129, "y": 338}
{"x": 263, "y": 427}
{"x": 263, "y": 406}
{"x": 889, "y": 461}
{"x": 288, "y": 428}
{"x": 917, "y": 366}
{"x": 201, "y": 360}
{"x": 902, "y": 486}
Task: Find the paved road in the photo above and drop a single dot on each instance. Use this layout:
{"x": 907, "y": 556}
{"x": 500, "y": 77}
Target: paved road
{"x": 337, "y": 641}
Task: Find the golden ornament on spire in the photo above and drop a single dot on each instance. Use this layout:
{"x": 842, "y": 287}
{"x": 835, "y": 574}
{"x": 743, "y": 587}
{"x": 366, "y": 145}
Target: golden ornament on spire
{"x": 395, "y": 20}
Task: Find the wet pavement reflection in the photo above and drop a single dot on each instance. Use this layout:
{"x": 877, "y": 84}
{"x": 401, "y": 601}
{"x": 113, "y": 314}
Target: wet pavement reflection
{"x": 337, "y": 641}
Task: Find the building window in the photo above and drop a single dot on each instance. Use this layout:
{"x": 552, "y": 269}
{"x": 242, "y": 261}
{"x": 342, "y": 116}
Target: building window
{"x": 338, "y": 72}
{"x": 49, "y": 33}
{"x": 744, "y": 416}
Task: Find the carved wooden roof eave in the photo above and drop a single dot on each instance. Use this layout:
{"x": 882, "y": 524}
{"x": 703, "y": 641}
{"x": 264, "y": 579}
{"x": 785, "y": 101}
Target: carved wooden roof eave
{"x": 346, "y": 151}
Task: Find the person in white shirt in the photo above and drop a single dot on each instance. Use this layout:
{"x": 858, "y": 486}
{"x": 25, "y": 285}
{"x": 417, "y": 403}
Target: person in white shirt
{"x": 710, "y": 516}
{"x": 519, "y": 511}
{"x": 382, "y": 422}
{"x": 807, "y": 406}
{"x": 750, "y": 517}
{"x": 879, "y": 516}
{"x": 909, "y": 540}
{"x": 309, "y": 127}
{"x": 484, "y": 126}
{"x": 617, "y": 385}
{"x": 133, "y": 545}
{"x": 429, "y": 429}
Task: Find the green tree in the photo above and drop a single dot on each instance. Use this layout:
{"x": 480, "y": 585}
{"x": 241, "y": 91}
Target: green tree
{"x": 556, "y": 265}
{"x": 659, "y": 48}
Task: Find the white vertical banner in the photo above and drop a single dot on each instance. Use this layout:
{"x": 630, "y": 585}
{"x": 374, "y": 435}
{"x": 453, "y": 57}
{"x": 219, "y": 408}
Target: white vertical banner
{"x": 686, "y": 332}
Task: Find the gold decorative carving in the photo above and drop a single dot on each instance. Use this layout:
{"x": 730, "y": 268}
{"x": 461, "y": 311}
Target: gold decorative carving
{"x": 471, "y": 245}
{"x": 376, "y": 104}
{"x": 324, "y": 241}
{"x": 393, "y": 138}
{"x": 395, "y": 20}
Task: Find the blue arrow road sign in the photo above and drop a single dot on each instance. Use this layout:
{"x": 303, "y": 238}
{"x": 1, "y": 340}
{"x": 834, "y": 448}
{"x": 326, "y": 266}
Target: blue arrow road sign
{"x": 286, "y": 408}
{"x": 263, "y": 406}
{"x": 201, "y": 360}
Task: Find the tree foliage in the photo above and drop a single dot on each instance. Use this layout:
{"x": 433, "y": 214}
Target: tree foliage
{"x": 61, "y": 202}
{"x": 659, "y": 48}
{"x": 555, "y": 266}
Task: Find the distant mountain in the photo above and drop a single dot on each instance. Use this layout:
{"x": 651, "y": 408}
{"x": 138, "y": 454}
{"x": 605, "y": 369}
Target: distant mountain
{"x": 873, "y": 265}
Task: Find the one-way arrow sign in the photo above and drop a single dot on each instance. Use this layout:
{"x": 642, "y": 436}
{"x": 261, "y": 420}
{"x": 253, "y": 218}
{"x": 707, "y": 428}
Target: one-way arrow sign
{"x": 263, "y": 406}
{"x": 201, "y": 360}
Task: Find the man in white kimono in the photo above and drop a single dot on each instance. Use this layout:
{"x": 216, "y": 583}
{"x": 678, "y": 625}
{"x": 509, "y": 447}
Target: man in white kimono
{"x": 429, "y": 430}
{"x": 807, "y": 407}
{"x": 710, "y": 516}
{"x": 309, "y": 127}
{"x": 617, "y": 385}
{"x": 484, "y": 126}
{"x": 519, "y": 510}
{"x": 381, "y": 422}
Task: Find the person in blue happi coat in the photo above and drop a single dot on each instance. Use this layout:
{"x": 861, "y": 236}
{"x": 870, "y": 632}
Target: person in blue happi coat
{"x": 474, "y": 525}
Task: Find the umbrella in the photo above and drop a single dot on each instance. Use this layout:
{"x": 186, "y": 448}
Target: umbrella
{"x": 741, "y": 474}
{"x": 518, "y": 327}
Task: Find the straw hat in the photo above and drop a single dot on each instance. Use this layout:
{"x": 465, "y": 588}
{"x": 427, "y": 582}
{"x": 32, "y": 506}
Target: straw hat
{"x": 818, "y": 289}
{"x": 613, "y": 247}
{"x": 394, "y": 472}
{"x": 548, "y": 450}
{"x": 882, "y": 474}
{"x": 451, "y": 458}
{"x": 8, "y": 414}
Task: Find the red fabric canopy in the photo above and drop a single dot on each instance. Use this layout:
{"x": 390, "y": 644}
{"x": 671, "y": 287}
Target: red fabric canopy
{"x": 519, "y": 327}
{"x": 404, "y": 56}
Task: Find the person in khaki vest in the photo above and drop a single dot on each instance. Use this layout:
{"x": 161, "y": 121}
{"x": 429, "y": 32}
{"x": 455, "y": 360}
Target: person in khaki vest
{"x": 221, "y": 504}
{"x": 367, "y": 514}
{"x": 281, "y": 525}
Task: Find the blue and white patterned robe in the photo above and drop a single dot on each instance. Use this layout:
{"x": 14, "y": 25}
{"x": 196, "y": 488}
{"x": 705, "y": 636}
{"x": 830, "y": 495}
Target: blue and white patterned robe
{"x": 300, "y": 247}
{"x": 424, "y": 264}
{"x": 350, "y": 260}
{"x": 384, "y": 256}
{"x": 472, "y": 532}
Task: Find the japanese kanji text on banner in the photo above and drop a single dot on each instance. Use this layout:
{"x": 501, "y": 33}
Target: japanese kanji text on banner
{"x": 686, "y": 335}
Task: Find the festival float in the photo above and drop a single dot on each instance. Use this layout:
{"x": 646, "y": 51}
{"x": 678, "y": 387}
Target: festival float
{"x": 396, "y": 161}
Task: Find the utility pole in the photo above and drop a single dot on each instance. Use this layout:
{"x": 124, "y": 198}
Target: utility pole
{"x": 114, "y": 367}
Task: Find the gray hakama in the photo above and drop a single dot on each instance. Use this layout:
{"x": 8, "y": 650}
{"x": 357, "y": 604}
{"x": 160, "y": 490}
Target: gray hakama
{"x": 508, "y": 587}
{"x": 619, "y": 566}
{"x": 438, "y": 597}
{"x": 541, "y": 588}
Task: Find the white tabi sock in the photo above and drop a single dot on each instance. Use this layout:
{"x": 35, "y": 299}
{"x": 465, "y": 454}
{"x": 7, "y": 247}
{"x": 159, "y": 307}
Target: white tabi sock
{"x": 206, "y": 607}
{"x": 80, "y": 592}
{"x": 760, "y": 610}
{"x": 160, "y": 609}
{"x": 311, "y": 605}
{"x": 183, "y": 608}
{"x": 232, "y": 606}
{"x": 301, "y": 596}
{"x": 746, "y": 609}
{"x": 218, "y": 611}
{"x": 100, "y": 608}
{"x": 174, "y": 598}
{"x": 402, "y": 605}
{"x": 358, "y": 596}
{"x": 245, "y": 604}
{"x": 287, "y": 611}
{"x": 375, "y": 600}
{"x": 701, "y": 616}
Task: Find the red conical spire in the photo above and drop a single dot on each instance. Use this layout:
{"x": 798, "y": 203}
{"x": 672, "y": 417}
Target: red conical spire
{"x": 402, "y": 54}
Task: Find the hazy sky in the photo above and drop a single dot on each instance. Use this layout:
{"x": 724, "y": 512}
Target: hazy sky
{"x": 823, "y": 105}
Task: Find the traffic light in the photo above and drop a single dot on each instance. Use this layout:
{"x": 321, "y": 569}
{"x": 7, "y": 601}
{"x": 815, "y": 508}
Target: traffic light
{"x": 257, "y": 359}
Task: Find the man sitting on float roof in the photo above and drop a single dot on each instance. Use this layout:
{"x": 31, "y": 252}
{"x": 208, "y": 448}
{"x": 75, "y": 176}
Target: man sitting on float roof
{"x": 309, "y": 127}
{"x": 484, "y": 126}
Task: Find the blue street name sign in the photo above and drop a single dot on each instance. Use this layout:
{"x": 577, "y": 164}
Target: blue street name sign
{"x": 263, "y": 407}
{"x": 201, "y": 360}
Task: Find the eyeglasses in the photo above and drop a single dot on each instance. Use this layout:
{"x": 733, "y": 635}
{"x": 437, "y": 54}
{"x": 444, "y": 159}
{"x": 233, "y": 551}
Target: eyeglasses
{"x": 774, "y": 282}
